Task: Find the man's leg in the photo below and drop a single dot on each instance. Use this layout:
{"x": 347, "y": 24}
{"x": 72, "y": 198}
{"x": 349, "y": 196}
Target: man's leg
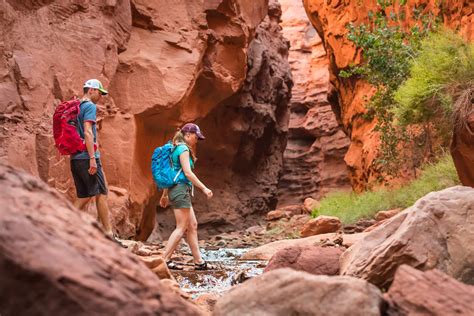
{"x": 80, "y": 203}
{"x": 103, "y": 212}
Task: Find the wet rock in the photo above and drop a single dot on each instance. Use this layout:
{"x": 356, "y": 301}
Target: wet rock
{"x": 382, "y": 215}
{"x": 266, "y": 251}
{"x": 66, "y": 264}
{"x": 435, "y": 233}
{"x": 414, "y": 292}
{"x": 321, "y": 225}
{"x": 221, "y": 243}
{"x": 239, "y": 277}
{"x": 290, "y": 292}
{"x": 312, "y": 259}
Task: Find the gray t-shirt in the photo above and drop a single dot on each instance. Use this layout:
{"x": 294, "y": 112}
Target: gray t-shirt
{"x": 88, "y": 113}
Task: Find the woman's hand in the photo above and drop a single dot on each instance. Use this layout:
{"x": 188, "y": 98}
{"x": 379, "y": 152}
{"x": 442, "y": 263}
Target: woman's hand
{"x": 164, "y": 200}
{"x": 207, "y": 192}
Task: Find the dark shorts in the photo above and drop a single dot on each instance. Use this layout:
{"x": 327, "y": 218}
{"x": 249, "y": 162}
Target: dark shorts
{"x": 180, "y": 196}
{"x": 87, "y": 185}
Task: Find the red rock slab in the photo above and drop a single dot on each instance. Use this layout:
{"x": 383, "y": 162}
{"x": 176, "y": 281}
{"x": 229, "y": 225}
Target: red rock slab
{"x": 321, "y": 225}
{"x": 289, "y": 292}
{"x": 414, "y": 292}
{"x": 265, "y": 252}
{"x": 435, "y": 233}
{"x": 312, "y": 259}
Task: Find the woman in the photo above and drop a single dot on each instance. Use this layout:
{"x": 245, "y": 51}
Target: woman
{"x": 179, "y": 195}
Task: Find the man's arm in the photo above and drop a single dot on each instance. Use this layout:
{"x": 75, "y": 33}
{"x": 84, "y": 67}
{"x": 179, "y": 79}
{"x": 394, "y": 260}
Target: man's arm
{"x": 89, "y": 139}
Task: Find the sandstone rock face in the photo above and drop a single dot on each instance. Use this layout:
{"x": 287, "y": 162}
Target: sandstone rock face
{"x": 289, "y": 292}
{"x": 242, "y": 157}
{"x": 164, "y": 65}
{"x": 313, "y": 159}
{"x": 312, "y": 259}
{"x": 462, "y": 149}
{"x": 436, "y": 232}
{"x": 55, "y": 260}
{"x": 321, "y": 225}
{"x": 267, "y": 251}
{"x": 428, "y": 293}
{"x": 330, "y": 18}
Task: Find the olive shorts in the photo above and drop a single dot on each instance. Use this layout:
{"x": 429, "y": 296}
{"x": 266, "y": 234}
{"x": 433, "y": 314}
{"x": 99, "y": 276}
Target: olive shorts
{"x": 180, "y": 196}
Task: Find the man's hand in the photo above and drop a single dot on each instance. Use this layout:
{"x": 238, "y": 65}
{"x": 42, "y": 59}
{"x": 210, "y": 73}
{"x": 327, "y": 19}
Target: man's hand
{"x": 92, "y": 166}
{"x": 164, "y": 200}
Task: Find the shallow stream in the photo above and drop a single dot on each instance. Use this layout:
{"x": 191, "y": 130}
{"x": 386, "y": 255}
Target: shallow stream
{"x": 229, "y": 270}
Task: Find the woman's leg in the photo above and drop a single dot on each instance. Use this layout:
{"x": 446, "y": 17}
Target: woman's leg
{"x": 182, "y": 222}
{"x": 192, "y": 237}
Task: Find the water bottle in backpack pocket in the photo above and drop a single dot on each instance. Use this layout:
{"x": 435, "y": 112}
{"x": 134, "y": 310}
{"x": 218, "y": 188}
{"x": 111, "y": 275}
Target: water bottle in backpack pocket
{"x": 164, "y": 173}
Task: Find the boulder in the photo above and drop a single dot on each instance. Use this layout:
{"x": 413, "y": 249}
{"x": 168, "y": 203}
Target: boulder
{"x": 436, "y": 232}
{"x": 289, "y": 292}
{"x": 382, "y": 215}
{"x": 266, "y": 251}
{"x": 321, "y": 225}
{"x": 158, "y": 265}
{"x": 312, "y": 259}
{"x": 414, "y": 292}
{"x": 56, "y": 260}
{"x": 310, "y": 204}
{"x": 277, "y": 214}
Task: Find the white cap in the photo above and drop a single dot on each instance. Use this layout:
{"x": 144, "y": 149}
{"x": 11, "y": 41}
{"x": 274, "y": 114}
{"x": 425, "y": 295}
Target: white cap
{"x": 95, "y": 84}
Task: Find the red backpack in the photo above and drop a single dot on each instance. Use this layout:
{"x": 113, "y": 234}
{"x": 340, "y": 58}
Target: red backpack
{"x": 65, "y": 134}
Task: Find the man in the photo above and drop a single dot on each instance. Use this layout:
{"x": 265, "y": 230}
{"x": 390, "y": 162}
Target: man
{"x": 86, "y": 167}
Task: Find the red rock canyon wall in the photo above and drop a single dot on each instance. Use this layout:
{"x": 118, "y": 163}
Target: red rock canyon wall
{"x": 314, "y": 156}
{"x": 330, "y": 18}
{"x": 164, "y": 65}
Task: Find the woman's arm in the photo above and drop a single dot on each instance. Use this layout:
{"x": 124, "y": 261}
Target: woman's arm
{"x": 164, "y": 198}
{"x": 185, "y": 164}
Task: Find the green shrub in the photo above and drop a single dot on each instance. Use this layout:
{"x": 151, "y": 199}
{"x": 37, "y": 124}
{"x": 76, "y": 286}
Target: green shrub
{"x": 443, "y": 69}
{"x": 350, "y": 207}
{"x": 387, "y": 49}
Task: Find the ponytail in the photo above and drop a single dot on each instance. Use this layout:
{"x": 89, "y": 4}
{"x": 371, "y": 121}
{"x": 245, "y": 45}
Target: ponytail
{"x": 178, "y": 139}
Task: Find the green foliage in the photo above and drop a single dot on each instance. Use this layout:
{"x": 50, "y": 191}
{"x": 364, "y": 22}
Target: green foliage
{"x": 350, "y": 207}
{"x": 387, "y": 50}
{"x": 444, "y": 68}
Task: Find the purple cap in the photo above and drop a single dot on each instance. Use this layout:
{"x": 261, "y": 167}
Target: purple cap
{"x": 192, "y": 128}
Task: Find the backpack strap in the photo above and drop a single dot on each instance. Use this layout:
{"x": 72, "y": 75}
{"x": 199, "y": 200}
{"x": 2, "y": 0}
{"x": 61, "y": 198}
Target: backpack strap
{"x": 177, "y": 175}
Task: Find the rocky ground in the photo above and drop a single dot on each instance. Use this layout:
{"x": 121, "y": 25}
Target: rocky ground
{"x": 55, "y": 259}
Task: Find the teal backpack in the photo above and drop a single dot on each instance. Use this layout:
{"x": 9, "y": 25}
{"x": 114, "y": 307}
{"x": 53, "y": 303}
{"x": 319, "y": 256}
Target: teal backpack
{"x": 164, "y": 174}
